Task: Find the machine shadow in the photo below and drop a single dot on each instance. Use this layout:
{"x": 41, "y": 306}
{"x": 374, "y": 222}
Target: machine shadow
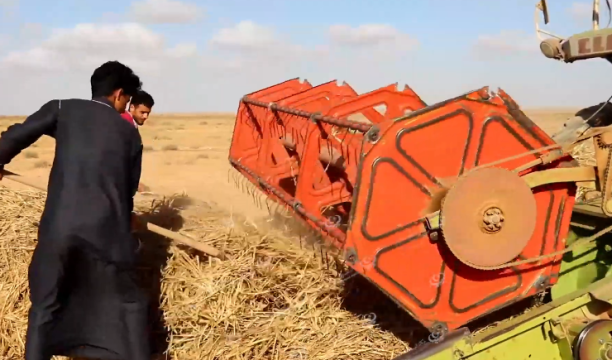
{"x": 359, "y": 296}
{"x": 366, "y": 300}
{"x": 153, "y": 257}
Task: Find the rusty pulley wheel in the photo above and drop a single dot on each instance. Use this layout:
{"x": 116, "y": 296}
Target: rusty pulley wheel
{"x": 594, "y": 341}
{"x": 487, "y": 217}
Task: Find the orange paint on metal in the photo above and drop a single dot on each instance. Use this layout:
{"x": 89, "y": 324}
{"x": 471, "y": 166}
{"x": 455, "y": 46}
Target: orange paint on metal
{"x": 385, "y": 181}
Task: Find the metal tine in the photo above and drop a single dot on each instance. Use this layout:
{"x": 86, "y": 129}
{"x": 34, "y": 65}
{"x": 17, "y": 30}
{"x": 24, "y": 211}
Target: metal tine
{"x": 268, "y": 207}
{"x": 258, "y": 194}
{"x": 255, "y": 197}
{"x": 259, "y": 199}
{"x": 247, "y": 187}
{"x": 243, "y": 185}
{"x": 249, "y": 192}
{"x": 280, "y": 208}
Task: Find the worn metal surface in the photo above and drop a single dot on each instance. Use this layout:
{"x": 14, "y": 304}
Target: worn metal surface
{"x": 488, "y": 217}
{"x": 584, "y": 265}
{"x": 595, "y": 341}
{"x": 531, "y": 336}
{"x": 354, "y": 125}
{"x": 587, "y": 45}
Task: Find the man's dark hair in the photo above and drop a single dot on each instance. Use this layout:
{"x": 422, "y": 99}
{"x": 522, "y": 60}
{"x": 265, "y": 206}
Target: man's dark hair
{"x": 142, "y": 98}
{"x": 112, "y": 76}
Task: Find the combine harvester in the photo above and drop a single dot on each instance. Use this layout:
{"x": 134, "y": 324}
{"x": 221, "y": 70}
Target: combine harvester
{"x": 468, "y": 190}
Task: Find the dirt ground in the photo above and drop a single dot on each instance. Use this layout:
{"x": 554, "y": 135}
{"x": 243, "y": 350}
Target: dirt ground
{"x": 189, "y": 152}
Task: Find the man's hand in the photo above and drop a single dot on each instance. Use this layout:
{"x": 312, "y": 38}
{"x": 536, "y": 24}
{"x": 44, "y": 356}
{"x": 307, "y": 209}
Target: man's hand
{"x": 137, "y": 224}
{"x": 142, "y": 187}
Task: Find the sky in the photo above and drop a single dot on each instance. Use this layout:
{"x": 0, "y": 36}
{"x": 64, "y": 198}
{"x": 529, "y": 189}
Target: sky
{"x": 204, "y": 55}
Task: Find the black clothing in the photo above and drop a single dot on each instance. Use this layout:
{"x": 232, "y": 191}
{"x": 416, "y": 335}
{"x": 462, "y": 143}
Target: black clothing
{"x": 85, "y": 301}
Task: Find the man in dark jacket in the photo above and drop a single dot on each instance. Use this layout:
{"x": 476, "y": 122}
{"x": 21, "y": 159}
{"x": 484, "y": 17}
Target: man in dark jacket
{"x": 85, "y": 301}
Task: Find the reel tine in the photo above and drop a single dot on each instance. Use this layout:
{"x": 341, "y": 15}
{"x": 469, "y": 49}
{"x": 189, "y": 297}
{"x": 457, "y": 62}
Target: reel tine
{"x": 268, "y": 205}
{"x": 321, "y": 253}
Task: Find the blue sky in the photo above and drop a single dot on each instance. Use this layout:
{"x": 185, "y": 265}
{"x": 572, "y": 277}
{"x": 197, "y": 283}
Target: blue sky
{"x": 440, "y": 48}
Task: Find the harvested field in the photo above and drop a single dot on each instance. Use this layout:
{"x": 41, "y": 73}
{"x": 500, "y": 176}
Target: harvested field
{"x": 278, "y": 297}
{"x": 274, "y": 299}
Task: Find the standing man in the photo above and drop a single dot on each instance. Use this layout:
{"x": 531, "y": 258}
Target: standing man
{"x": 138, "y": 112}
{"x": 85, "y": 302}
{"x": 140, "y": 108}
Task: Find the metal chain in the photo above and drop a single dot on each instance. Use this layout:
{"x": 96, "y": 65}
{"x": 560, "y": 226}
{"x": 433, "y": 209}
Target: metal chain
{"x": 601, "y": 144}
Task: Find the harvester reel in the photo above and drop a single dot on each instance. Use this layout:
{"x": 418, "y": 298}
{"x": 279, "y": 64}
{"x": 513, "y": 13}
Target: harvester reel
{"x": 594, "y": 342}
{"x": 488, "y": 217}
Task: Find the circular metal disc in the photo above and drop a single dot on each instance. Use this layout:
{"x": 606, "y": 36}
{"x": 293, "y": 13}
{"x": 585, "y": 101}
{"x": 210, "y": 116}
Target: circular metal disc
{"x": 465, "y": 205}
{"x": 595, "y": 341}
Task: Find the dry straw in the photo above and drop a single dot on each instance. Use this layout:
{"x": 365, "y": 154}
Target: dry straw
{"x": 584, "y": 154}
{"x": 274, "y": 299}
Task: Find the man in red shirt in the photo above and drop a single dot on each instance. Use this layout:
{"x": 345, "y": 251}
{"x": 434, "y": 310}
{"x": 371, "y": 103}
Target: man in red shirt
{"x": 137, "y": 113}
{"x": 139, "y": 109}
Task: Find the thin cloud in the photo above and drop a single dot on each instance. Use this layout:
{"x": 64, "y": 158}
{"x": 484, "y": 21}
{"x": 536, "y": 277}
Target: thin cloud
{"x": 165, "y": 12}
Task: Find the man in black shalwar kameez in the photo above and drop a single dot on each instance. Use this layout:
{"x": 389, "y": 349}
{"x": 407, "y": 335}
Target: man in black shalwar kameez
{"x": 85, "y": 301}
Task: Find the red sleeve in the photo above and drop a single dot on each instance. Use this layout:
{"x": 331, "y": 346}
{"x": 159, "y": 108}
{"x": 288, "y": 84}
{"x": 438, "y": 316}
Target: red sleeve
{"x": 128, "y": 117}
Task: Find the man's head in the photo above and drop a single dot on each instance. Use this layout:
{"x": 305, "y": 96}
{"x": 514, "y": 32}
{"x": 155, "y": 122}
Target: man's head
{"x": 141, "y": 106}
{"x": 116, "y": 82}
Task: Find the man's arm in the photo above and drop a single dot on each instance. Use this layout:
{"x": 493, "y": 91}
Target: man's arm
{"x": 136, "y": 166}
{"x": 136, "y": 172}
{"x": 19, "y": 136}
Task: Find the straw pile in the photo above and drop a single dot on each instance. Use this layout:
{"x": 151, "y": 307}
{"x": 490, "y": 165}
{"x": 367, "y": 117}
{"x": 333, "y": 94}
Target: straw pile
{"x": 584, "y": 154}
{"x": 272, "y": 300}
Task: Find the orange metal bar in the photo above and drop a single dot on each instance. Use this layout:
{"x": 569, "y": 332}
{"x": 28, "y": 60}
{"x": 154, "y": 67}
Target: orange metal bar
{"x": 248, "y": 134}
{"x": 282, "y": 150}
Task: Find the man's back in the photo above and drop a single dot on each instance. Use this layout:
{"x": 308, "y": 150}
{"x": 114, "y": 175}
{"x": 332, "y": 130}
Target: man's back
{"x": 94, "y": 176}
{"x": 84, "y": 300}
